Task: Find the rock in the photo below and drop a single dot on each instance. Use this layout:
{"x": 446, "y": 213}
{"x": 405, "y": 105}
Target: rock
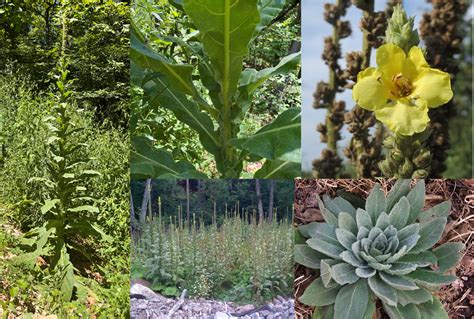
{"x": 138, "y": 290}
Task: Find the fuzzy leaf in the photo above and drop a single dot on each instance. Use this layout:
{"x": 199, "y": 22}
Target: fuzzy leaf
{"x": 325, "y": 247}
{"x": 376, "y": 203}
{"x": 269, "y": 10}
{"x": 320, "y": 230}
{"x": 351, "y": 301}
{"x": 440, "y": 210}
{"x": 48, "y": 205}
{"x": 279, "y": 140}
{"x": 345, "y": 237}
{"x": 448, "y": 255}
{"x": 397, "y": 282}
{"x": 307, "y": 257}
{"x": 421, "y": 259}
{"x": 326, "y": 272}
{"x": 400, "y": 213}
{"x": 416, "y": 198}
{"x": 278, "y": 170}
{"x": 430, "y": 233}
{"x": 329, "y": 217}
{"x": 400, "y": 312}
{"x": 382, "y": 290}
{"x": 318, "y": 295}
{"x": 418, "y": 296}
{"x": 399, "y": 189}
{"x": 363, "y": 219}
{"x": 344, "y": 274}
{"x": 347, "y": 222}
{"x": 338, "y": 205}
{"x": 432, "y": 310}
{"x": 427, "y": 277}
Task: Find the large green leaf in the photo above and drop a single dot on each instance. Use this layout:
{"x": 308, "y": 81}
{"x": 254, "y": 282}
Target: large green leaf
{"x": 448, "y": 255}
{"x": 180, "y": 75}
{"x": 226, "y": 28}
{"x": 416, "y": 198}
{"x": 440, "y": 210}
{"x": 66, "y": 270}
{"x": 376, "y": 203}
{"x": 430, "y": 233}
{"x": 351, "y": 301}
{"x": 382, "y": 290}
{"x": 251, "y": 79}
{"x": 430, "y": 278}
{"x": 148, "y": 162}
{"x": 433, "y": 310}
{"x": 158, "y": 94}
{"x": 279, "y": 140}
{"x": 306, "y": 256}
{"x": 269, "y": 10}
{"x": 318, "y": 295}
{"x": 279, "y": 170}
{"x": 399, "y": 189}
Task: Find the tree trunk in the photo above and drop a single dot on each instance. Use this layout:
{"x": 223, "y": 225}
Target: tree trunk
{"x": 187, "y": 202}
{"x": 146, "y": 198}
{"x": 270, "y": 201}
{"x": 259, "y": 201}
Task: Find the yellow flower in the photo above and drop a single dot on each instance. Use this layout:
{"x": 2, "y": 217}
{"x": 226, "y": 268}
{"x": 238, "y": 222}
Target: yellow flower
{"x": 402, "y": 89}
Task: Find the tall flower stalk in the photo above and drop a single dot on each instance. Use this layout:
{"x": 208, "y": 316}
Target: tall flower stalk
{"x": 329, "y": 165}
{"x": 440, "y": 31}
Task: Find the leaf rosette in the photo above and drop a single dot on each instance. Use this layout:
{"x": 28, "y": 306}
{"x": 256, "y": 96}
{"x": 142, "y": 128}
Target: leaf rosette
{"x": 380, "y": 249}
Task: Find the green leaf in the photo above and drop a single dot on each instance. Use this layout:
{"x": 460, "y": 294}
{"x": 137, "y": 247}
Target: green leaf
{"x": 338, "y": 205}
{"x": 369, "y": 312}
{"x": 344, "y": 274}
{"x": 325, "y": 247}
{"x": 430, "y": 278}
{"x": 399, "y": 189}
{"x": 440, "y": 210}
{"x": 326, "y": 312}
{"x": 433, "y": 310}
{"x": 347, "y": 222}
{"x": 326, "y": 272}
{"x": 148, "y": 162}
{"x": 269, "y": 10}
{"x": 251, "y": 79}
{"x": 320, "y": 230}
{"x": 226, "y": 28}
{"x": 180, "y": 76}
{"x": 345, "y": 237}
{"x": 376, "y": 203}
{"x": 66, "y": 270}
{"x": 398, "y": 282}
{"x": 306, "y": 256}
{"x": 363, "y": 219}
{"x": 382, "y": 290}
{"x": 354, "y": 200}
{"x": 318, "y": 295}
{"x": 416, "y": 198}
{"x": 351, "y": 301}
{"x": 400, "y": 213}
{"x": 84, "y": 208}
{"x": 400, "y": 312}
{"x": 430, "y": 233}
{"x": 328, "y": 216}
{"x": 421, "y": 259}
{"x": 48, "y": 205}
{"x": 279, "y": 140}
{"x": 158, "y": 93}
{"x": 278, "y": 170}
{"x": 418, "y": 296}
{"x": 448, "y": 255}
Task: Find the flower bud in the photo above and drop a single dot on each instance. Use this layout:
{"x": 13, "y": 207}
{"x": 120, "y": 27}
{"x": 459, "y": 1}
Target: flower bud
{"x": 400, "y": 30}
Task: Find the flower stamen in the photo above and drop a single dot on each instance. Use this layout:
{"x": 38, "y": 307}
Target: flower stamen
{"x": 402, "y": 84}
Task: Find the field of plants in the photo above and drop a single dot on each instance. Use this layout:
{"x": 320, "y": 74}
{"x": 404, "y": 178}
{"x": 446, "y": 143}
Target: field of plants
{"x": 64, "y": 208}
{"x": 395, "y": 97}
{"x": 229, "y": 253}
{"x": 216, "y": 89}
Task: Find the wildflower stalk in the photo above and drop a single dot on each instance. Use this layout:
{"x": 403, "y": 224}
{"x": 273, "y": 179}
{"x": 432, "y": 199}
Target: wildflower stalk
{"x": 440, "y": 32}
{"x": 329, "y": 165}
{"x": 406, "y": 156}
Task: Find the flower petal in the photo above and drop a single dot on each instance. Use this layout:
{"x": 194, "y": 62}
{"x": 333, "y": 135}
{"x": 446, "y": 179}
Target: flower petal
{"x": 403, "y": 118}
{"x": 433, "y": 86}
{"x": 368, "y": 92}
{"x": 418, "y": 59}
{"x": 390, "y": 59}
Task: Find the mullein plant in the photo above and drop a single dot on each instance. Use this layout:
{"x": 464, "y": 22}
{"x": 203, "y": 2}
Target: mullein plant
{"x": 329, "y": 165}
{"x": 377, "y": 251}
{"x": 440, "y": 30}
{"x": 400, "y": 92}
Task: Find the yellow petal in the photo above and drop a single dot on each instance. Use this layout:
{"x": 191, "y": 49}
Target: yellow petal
{"x": 433, "y": 86}
{"x": 369, "y": 92}
{"x": 390, "y": 59}
{"x": 418, "y": 59}
{"x": 403, "y": 118}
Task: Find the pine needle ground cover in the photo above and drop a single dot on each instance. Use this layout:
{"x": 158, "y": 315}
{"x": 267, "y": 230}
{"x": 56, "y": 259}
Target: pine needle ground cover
{"x": 455, "y": 297}
{"x": 239, "y": 260}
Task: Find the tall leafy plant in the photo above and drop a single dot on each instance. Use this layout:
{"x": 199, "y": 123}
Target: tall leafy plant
{"x": 68, "y": 211}
{"x": 213, "y": 97}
